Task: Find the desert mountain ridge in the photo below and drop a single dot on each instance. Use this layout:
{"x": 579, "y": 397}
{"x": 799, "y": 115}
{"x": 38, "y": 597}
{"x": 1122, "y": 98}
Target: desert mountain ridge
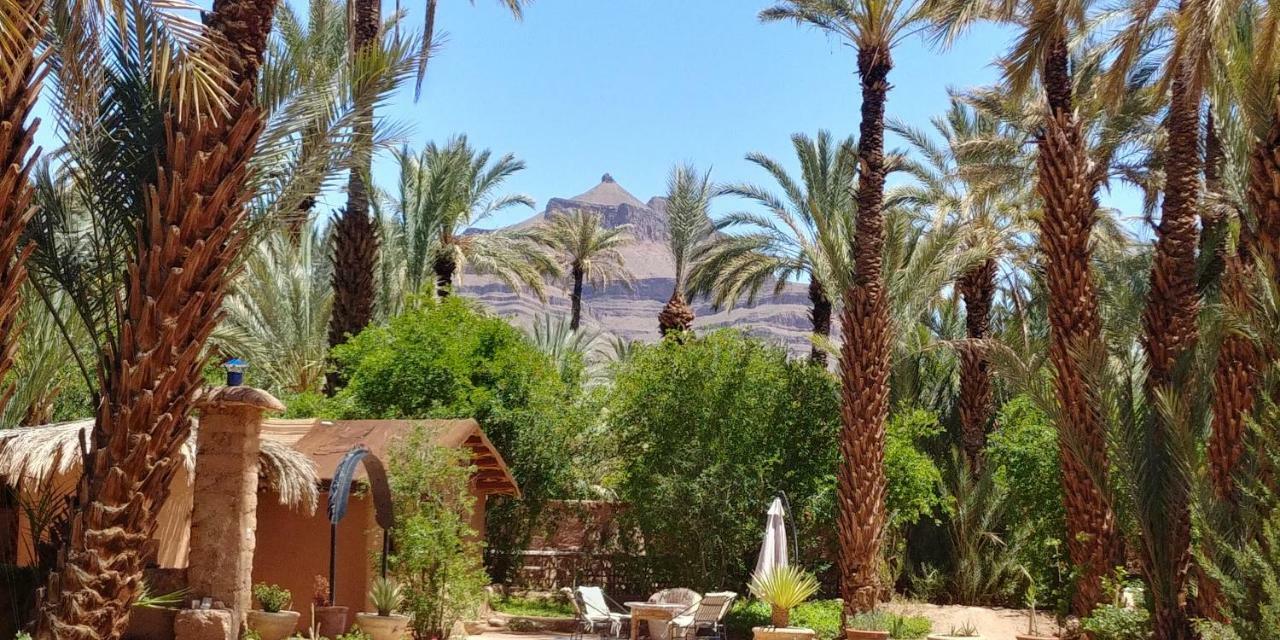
{"x": 633, "y": 314}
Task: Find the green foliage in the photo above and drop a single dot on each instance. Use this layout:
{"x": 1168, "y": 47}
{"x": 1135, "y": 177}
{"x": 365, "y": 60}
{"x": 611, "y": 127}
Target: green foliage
{"x": 273, "y": 598}
{"x": 1109, "y": 622}
{"x": 532, "y": 607}
{"x": 914, "y": 480}
{"x": 709, "y": 431}
{"x": 898, "y": 626}
{"x": 1023, "y": 457}
{"x": 248, "y": 634}
{"x": 354, "y": 634}
{"x": 385, "y": 595}
{"x": 823, "y": 616}
{"x": 784, "y": 587}
{"x": 449, "y": 360}
{"x": 436, "y": 559}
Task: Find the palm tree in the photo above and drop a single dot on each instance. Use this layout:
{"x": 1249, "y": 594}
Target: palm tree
{"x": 804, "y": 235}
{"x": 21, "y": 24}
{"x": 278, "y": 314}
{"x": 872, "y": 27}
{"x": 443, "y": 192}
{"x": 689, "y": 229}
{"x": 186, "y": 200}
{"x": 586, "y": 250}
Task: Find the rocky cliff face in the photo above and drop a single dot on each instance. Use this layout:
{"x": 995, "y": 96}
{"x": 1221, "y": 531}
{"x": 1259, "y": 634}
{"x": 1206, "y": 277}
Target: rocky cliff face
{"x": 633, "y": 313}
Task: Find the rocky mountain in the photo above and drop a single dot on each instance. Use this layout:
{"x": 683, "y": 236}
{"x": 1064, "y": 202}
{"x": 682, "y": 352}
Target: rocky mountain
{"x": 633, "y": 314}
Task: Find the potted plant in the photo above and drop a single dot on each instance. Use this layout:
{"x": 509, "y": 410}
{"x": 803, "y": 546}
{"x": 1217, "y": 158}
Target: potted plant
{"x": 330, "y": 620}
{"x": 783, "y": 589}
{"x": 1033, "y": 623}
{"x": 871, "y": 625}
{"x": 272, "y": 621}
{"x": 385, "y": 624}
{"x": 966, "y": 631}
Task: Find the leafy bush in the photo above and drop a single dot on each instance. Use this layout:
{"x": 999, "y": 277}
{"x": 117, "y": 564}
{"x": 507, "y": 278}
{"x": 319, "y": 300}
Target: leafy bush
{"x": 914, "y": 480}
{"x": 273, "y": 598}
{"x": 1023, "y": 456}
{"x": 1109, "y": 622}
{"x": 450, "y": 360}
{"x": 708, "y": 432}
{"x": 436, "y": 558}
{"x": 532, "y": 607}
{"x": 823, "y": 616}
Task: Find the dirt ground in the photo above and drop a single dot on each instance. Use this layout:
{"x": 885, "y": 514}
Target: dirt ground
{"x": 992, "y": 624}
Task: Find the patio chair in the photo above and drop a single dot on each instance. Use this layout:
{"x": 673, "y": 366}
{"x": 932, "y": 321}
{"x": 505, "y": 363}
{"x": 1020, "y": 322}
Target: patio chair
{"x": 594, "y": 612}
{"x": 688, "y": 598}
{"x": 706, "y": 617}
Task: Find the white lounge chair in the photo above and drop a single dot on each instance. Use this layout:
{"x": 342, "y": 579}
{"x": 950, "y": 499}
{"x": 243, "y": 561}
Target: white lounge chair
{"x": 706, "y": 615}
{"x": 595, "y": 613}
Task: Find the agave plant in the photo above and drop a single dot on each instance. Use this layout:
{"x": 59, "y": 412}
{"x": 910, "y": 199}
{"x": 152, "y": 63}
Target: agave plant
{"x": 783, "y": 589}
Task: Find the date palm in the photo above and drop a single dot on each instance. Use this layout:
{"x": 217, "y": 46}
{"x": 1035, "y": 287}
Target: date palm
{"x": 443, "y": 191}
{"x": 21, "y": 74}
{"x": 184, "y": 196}
{"x": 586, "y": 250}
{"x": 872, "y": 27}
{"x": 689, "y": 230}
{"x": 803, "y": 236}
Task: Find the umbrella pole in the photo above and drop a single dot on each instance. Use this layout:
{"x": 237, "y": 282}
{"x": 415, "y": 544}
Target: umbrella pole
{"x": 795, "y": 540}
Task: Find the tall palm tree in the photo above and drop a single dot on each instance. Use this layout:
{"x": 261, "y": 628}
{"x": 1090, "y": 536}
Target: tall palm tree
{"x": 951, "y": 178}
{"x": 804, "y": 234}
{"x": 689, "y": 229}
{"x": 443, "y": 192}
{"x": 189, "y": 228}
{"x": 21, "y": 26}
{"x": 872, "y": 27}
{"x": 279, "y": 312}
{"x": 587, "y": 251}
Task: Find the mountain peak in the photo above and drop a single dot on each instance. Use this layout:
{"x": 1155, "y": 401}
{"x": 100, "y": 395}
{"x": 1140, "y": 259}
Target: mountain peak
{"x": 608, "y": 193}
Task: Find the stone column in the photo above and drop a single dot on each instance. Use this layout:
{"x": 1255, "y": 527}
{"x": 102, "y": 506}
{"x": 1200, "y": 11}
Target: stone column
{"x": 225, "y": 497}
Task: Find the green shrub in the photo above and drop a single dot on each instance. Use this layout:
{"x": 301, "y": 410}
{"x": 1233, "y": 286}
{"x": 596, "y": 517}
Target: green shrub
{"x": 436, "y": 559}
{"x": 273, "y": 598}
{"x": 534, "y": 607}
{"x": 823, "y": 616}
{"x": 914, "y": 482}
{"x": 1109, "y": 622}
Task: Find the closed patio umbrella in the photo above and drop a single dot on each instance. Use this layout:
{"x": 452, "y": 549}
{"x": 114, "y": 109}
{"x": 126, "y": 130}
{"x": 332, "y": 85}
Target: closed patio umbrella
{"x": 773, "y": 551}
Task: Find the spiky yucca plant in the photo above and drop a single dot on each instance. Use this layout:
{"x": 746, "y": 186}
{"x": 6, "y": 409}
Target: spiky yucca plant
{"x": 783, "y": 589}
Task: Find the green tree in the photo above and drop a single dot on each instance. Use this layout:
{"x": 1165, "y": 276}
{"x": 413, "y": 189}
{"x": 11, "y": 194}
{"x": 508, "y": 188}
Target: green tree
{"x": 587, "y": 251}
{"x": 689, "y": 229}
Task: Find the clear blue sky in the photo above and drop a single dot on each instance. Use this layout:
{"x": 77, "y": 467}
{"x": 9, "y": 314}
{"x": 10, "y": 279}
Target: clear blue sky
{"x": 629, "y": 87}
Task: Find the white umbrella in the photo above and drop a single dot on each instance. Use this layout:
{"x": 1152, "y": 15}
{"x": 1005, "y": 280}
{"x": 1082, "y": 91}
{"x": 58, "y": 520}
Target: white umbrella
{"x": 773, "y": 551}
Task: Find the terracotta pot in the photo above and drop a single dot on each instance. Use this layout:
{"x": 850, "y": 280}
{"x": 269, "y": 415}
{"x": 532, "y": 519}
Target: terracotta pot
{"x": 331, "y": 622}
{"x": 273, "y": 626}
{"x": 859, "y": 634}
{"x": 382, "y": 627}
{"x": 1025, "y": 636}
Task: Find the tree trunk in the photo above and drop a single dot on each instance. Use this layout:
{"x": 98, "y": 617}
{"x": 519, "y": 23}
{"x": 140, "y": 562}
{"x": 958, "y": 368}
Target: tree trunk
{"x": 355, "y": 234}
{"x": 444, "y": 267}
{"x": 19, "y": 89}
{"x": 676, "y": 316}
{"x": 1169, "y": 336}
{"x": 820, "y": 316}
{"x": 1264, "y": 192}
{"x": 977, "y": 287}
{"x": 575, "y": 299}
{"x": 1213, "y": 216}
{"x": 864, "y": 359}
{"x": 177, "y": 280}
{"x": 1074, "y": 328}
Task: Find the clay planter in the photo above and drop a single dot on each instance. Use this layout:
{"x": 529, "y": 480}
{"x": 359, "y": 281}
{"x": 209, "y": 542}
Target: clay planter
{"x": 331, "y": 622}
{"x": 382, "y": 627}
{"x": 1025, "y": 636}
{"x": 859, "y": 634}
{"x": 782, "y": 633}
{"x": 944, "y": 636}
{"x": 273, "y": 626}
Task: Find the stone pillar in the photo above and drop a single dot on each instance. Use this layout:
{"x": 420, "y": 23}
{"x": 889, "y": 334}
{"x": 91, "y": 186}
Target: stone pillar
{"x": 225, "y": 497}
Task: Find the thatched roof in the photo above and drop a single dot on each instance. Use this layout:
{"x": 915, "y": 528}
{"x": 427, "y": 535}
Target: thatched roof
{"x": 36, "y": 454}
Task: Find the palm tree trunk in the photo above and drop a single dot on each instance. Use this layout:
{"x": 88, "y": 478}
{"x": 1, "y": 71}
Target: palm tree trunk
{"x": 151, "y": 378}
{"x": 1075, "y": 328}
{"x": 575, "y": 299}
{"x": 1169, "y": 335}
{"x": 864, "y": 359}
{"x": 1264, "y": 192}
{"x": 355, "y": 234}
{"x": 444, "y": 267}
{"x": 977, "y": 287}
{"x": 820, "y": 316}
{"x": 1213, "y": 219}
{"x": 19, "y": 89}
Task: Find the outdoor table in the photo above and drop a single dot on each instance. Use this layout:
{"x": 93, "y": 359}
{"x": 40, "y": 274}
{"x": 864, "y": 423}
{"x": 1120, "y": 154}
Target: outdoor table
{"x": 658, "y": 611}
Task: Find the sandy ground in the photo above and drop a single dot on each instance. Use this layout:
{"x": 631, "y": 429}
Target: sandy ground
{"x": 992, "y": 624}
